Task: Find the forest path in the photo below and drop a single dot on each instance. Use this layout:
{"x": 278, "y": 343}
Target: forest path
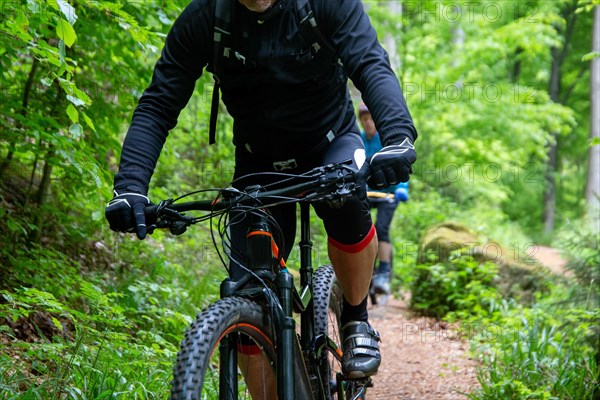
{"x": 421, "y": 358}
{"x": 424, "y": 359}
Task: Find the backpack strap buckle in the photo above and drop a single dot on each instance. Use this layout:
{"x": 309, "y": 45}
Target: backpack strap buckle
{"x": 283, "y": 165}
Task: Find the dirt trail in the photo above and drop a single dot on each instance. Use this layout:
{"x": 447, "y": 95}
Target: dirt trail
{"x": 551, "y": 259}
{"x": 424, "y": 359}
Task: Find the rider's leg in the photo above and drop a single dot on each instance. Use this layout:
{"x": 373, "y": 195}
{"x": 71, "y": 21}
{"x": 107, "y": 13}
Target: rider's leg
{"x": 352, "y": 248}
{"x": 385, "y": 213}
{"x": 385, "y": 251}
{"x": 354, "y": 269}
{"x": 259, "y": 376}
{"x": 384, "y": 254}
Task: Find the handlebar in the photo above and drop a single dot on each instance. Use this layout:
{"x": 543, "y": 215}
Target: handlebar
{"x": 379, "y": 195}
{"x": 333, "y": 183}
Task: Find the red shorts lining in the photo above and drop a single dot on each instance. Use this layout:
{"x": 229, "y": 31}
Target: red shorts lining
{"x": 248, "y": 349}
{"x": 354, "y": 248}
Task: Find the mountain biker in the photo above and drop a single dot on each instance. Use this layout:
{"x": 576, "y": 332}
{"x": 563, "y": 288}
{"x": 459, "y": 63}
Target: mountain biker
{"x": 291, "y": 109}
{"x": 385, "y": 206}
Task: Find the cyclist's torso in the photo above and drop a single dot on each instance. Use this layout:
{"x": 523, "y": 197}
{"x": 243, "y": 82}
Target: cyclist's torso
{"x": 284, "y": 102}
{"x": 283, "y": 97}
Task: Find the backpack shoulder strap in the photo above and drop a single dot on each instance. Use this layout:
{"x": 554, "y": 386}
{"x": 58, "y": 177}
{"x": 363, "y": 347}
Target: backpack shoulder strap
{"x": 310, "y": 29}
{"x": 221, "y": 35}
{"x": 308, "y": 25}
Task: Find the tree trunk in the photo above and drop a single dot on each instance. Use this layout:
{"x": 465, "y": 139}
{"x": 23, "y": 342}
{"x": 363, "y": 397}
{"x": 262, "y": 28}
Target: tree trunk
{"x": 458, "y": 42}
{"x": 592, "y": 192}
{"x": 41, "y": 195}
{"x": 516, "y": 72}
{"x": 558, "y": 57}
{"x": 26, "y": 93}
{"x": 552, "y": 160}
{"x": 395, "y": 7}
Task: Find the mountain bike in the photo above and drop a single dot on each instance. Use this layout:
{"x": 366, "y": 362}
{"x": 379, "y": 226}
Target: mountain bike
{"x": 251, "y": 331}
{"x": 375, "y": 297}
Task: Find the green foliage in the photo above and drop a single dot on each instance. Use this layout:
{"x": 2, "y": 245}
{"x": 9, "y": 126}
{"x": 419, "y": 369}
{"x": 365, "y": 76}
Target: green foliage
{"x": 544, "y": 352}
{"x": 582, "y": 248}
{"x": 99, "y": 334}
{"x": 106, "y": 314}
{"x": 461, "y": 285}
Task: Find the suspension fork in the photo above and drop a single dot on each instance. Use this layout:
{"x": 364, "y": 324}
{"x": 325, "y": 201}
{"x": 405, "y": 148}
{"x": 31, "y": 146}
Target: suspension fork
{"x": 292, "y": 379}
{"x": 307, "y": 318}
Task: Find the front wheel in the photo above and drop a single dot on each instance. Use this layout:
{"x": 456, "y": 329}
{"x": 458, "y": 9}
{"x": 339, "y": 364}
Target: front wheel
{"x": 227, "y": 353}
{"x": 328, "y": 303}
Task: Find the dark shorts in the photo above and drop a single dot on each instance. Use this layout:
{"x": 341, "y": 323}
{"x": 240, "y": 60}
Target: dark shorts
{"x": 348, "y": 227}
{"x": 385, "y": 213}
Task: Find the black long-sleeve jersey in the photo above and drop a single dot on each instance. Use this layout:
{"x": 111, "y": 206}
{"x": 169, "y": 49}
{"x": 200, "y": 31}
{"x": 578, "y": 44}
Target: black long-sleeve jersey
{"x": 283, "y": 97}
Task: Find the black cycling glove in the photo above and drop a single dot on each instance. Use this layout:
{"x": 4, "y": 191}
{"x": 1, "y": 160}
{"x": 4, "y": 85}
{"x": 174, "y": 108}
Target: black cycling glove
{"x": 125, "y": 213}
{"x": 392, "y": 165}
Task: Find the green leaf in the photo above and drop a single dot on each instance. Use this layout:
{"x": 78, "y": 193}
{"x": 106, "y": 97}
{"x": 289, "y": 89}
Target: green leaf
{"x": 88, "y": 121}
{"x": 590, "y": 56}
{"x": 72, "y": 113}
{"x": 65, "y": 32}
{"x": 61, "y": 53}
{"x": 15, "y": 226}
{"x": 67, "y": 10}
{"x": 594, "y": 141}
{"x": 57, "y": 324}
{"x": 83, "y": 96}
{"x": 46, "y": 81}
{"x": 75, "y": 100}
{"x": 76, "y": 130}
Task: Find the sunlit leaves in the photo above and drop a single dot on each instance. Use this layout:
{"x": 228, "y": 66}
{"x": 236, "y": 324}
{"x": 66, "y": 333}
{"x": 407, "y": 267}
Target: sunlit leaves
{"x": 67, "y": 10}
{"x": 590, "y": 56}
{"x": 65, "y": 32}
{"x": 72, "y": 113}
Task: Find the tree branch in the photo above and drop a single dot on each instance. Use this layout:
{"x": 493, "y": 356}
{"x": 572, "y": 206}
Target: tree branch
{"x": 571, "y": 87}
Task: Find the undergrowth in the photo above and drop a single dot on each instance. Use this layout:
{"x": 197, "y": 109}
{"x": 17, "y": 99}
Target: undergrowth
{"x": 73, "y": 331}
{"x": 547, "y": 348}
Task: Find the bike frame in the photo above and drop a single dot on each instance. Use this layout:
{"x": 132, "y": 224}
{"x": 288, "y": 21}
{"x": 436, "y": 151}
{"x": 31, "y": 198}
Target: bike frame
{"x": 299, "y": 361}
{"x": 293, "y": 377}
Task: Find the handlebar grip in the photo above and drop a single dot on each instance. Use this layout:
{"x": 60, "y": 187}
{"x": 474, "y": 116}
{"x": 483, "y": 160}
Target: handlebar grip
{"x": 360, "y": 181}
{"x": 363, "y": 174}
{"x": 151, "y": 210}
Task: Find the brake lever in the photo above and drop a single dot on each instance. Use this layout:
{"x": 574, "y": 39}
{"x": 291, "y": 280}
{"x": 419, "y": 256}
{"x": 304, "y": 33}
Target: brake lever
{"x": 168, "y": 218}
{"x": 178, "y": 227}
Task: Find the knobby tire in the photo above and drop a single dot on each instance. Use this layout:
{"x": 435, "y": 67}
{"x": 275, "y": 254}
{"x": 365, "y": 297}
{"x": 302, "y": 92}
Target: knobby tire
{"x": 328, "y": 310}
{"x": 196, "y": 372}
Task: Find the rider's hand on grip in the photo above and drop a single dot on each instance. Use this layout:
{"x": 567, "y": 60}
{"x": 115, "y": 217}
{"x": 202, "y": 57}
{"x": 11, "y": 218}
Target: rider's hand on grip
{"x": 361, "y": 180}
{"x": 392, "y": 164}
{"x": 125, "y": 213}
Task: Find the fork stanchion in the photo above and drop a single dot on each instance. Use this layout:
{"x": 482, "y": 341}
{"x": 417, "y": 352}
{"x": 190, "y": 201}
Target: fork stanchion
{"x": 285, "y": 351}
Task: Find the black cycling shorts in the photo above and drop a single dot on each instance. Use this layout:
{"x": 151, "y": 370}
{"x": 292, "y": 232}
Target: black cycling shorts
{"x": 385, "y": 213}
{"x": 348, "y": 227}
